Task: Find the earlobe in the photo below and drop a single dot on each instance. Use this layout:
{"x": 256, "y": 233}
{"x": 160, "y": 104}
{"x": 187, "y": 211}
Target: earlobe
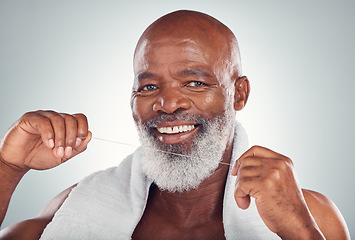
{"x": 242, "y": 90}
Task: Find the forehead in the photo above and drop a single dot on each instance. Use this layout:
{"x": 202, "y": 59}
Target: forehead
{"x": 173, "y": 51}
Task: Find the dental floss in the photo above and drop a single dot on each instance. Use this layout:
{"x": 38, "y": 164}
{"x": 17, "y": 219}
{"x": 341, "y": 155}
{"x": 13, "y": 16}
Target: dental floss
{"x": 107, "y": 140}
{"x": 132, "y": 145}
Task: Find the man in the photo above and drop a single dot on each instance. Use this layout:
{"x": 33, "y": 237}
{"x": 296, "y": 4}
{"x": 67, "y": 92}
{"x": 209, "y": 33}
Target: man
{"x": 178, "y": 185}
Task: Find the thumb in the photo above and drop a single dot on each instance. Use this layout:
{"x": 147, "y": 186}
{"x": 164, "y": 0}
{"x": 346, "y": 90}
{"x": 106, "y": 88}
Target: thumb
{"x": 242, "y": 199}
{"x": 243, "y": 202}
{"x": 83, "y": 143}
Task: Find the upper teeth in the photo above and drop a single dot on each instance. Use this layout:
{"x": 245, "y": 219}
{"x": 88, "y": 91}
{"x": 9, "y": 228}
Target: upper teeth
{"x": 176, "y": 129}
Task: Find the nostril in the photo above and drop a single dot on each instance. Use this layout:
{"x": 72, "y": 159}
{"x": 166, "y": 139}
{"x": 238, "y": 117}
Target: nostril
{"x": 172, "y": 102}
{"x": 157, "y": 106}
{"x": 179, "y": 110}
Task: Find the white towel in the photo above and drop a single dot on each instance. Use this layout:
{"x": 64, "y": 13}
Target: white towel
{"x": 109, "y": 204}
{"x": 238, "y": 223}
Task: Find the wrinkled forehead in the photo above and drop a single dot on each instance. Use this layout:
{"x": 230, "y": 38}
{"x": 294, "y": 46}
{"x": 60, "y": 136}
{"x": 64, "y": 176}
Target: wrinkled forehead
{"x": 178, "y": 49}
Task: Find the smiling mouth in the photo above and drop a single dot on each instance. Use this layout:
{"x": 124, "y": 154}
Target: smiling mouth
{"x": 175, "y": 129}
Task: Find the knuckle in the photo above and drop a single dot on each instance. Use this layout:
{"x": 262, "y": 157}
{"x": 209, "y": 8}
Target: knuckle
{"x": 274, "y": 175}
{"x": 46, "y": 113}
{"x": 81, "y": 118}
{"x": 248, "y": 160}
{"x": 59, "y": 141}
{"x": 269, "y": 183}
{"x": 36, "y": 112}
{"x": 69, "y": 118}
{"x": 46, "y": 122}
{"x": 64, "y": 115}
{"x": 80, "y": 115}
{"x": 35, "y": 119}
{"x": 58, "y": 119}
{"x": 255, "y": 147}
{"x": 70, "y": 141}
{"x": 50, "y": 112}
{"x": 27, "y": 114}
{"x": 279, "y": 163}
{"x": 30, "y": 115}
{"x": 284, "y": 164}
{"x": 289, "y": 161}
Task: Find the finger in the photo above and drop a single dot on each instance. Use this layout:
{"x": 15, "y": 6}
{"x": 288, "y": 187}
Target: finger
{"x": 247, "y": 185}
{"x": 235, "y": 168}
{"x": 257, "y": 151}
{"x": 83, "y": 145}
{"x": 40, "y": 125}
{"x": 47, "y": 133}
{"x": 241, "y": 198}
{"x": 58, "y": 125}
{"x": 243, "y": 202}
{"x": 248, "y": 179}
{"x": 71, "y": 129}
{"x": 247, "y": 162}
{"x": 83, "y": 128}
{"x": 77, "y": 149}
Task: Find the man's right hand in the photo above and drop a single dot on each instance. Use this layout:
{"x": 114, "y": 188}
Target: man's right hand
{"x": 43, "y": 140}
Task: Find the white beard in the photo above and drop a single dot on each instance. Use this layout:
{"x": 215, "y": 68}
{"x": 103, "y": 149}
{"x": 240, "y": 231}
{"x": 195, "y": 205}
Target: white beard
{"x": 185, "y": 170}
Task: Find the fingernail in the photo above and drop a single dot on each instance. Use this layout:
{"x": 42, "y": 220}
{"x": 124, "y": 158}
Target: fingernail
{"x": 234, "y": 166}
{"x": 68, "y": 151}
{"x": 233, "y": 171}
{"x": 51, "y": 143}
{"x": 60, "y": 152}
{"x": 78, "y": 142}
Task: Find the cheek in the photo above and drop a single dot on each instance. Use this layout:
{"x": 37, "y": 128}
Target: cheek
{"x": 208, "y": 100}
{"x": 139, "y": 109}
{"x": 212, "y": 102}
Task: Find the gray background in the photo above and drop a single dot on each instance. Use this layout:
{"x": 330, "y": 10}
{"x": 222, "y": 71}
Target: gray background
{"x": 76, "y": 56}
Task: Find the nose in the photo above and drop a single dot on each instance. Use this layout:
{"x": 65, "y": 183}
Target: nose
{"x": 171, "y": 100}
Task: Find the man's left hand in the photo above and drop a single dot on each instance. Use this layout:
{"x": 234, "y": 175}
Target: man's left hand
{"x": 270, "y": 178}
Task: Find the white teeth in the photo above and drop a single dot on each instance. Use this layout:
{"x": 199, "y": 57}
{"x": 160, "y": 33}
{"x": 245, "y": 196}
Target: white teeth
{"x": 176, "y": 129}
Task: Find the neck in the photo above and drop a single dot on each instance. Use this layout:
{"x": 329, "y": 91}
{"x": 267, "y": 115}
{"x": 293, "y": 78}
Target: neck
{"x": 197, "y": 206}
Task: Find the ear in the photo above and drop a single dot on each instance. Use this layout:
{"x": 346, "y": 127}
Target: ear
{"x": 242, "y": 90}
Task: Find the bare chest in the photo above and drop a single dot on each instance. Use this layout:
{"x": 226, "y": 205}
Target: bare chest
{"x": 152, "y": 226}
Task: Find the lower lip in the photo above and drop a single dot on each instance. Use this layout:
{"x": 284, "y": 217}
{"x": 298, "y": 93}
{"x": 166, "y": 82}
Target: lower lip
{"x": 175, "y": 138}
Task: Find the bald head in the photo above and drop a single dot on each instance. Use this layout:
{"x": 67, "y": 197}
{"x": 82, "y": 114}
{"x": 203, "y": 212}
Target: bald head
{"x": 213, "y": 37}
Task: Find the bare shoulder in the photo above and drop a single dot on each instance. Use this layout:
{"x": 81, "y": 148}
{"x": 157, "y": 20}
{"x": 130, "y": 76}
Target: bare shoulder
{"x": 327, "y": 215}
{"x": 52, "y": 207}
{"x": 33, "y": 228}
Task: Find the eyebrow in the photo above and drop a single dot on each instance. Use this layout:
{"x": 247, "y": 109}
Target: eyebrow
{"x": 144, "y": 75}
{"x": 194, "y": 71}
{"x": 186, "y": 72}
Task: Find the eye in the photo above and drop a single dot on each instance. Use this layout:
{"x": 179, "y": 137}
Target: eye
{"x": 149, "y": 87}
{"x": 195, "y": 84}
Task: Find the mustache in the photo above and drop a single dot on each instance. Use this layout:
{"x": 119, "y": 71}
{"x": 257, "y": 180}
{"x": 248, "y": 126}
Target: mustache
{"x": 177, "y": 117}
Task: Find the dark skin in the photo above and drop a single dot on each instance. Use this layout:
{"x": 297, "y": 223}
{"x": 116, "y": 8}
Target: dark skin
{"x": 162, "y": 55}
{"x": 38, "y": 140}
{"x": 190, "y": 68}
{"x": 195, "y": 215}
{"x": 173, "y": 76}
